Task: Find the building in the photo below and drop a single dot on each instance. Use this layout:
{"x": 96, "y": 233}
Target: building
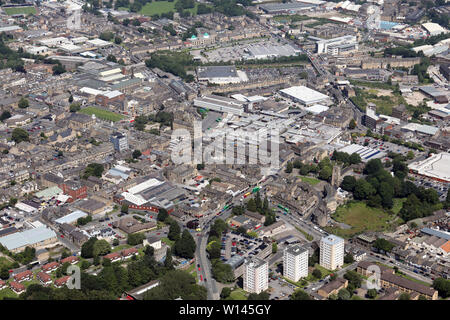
{"x": 256, "y": 276}
{"x": 337, "y": 46}
{"x": 295, "y": 262}
{"x": 331, "y": 252}
{"x": 153, "y": 242}
{"x": 333, "y": 287}
{"x": 120, "y": 141}
{"x": 106, "y": 98}
{"x": 18, "y": 288}
{"x": 130, "y": 225}
{"x": 220, "y": 104}
{"x": 44, "y": 278}
{"x": 433, "y": 29}
{"x": 218, "y": 74}
{"x": 286, "y": 8}
{"x": 61, "y": 282}
{"x": 71, "y": 260}
{"x": 23, "y": 276}
{"x": 74, "y": 189}
{"x": 305, "y": 95}
{"x": 436, "y": 167}
{"x": 50, "y": 267}
{"x": 38, "y": 237}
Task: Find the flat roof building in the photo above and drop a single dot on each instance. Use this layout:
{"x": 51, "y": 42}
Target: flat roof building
{"x": 305, "y": 95}
{"x": 295, "y": 262}
{"x": 331, "y": 252}
{"x": 37, "y": 237}
{"x": 436, "y": 167}
{"x": 256, "y": 275}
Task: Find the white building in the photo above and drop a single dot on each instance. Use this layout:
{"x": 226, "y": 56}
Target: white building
{"x": 256, "y": 276}
{"x": 337, "y": 46}
{"x": 331, "y": 252}
{"x": 305, "y": 95}
{"x": 295, "y": 262}
{"x": 220, "y": 104}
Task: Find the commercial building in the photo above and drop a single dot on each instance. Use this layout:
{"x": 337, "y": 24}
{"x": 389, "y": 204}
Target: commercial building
{"x": 38, "y": 237}
{"x": 104, "y": 99}
{"x": 434, "y": 29}
{"x": 337, "y": 46}
{"x": 219, "y": 74}
{"x": 295, "y": 262}
{"x": 436, "y": 167}
{"x": 120, "y": 141}
{"x": 220, "y": 104}
{"x": 331, "y": 252}
{"x": 370, "y": 119}
{"x": 365, "y": 153}
{"x": 71, "y": 217}
{"x": 288, "y": 7}
{"x": 269, "y": 51}
{"x": 305, "y": 95}
{"x": 256, "y": 275}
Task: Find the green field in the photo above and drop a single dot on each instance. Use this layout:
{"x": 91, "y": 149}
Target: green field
{"x": 19, "y": 10}
{"x": 102, "y": 114}
{"x": 311, "y": 181}
{"x": 167, "y": 241}
{"x": 121, "y": 247}
{"x": 157, "y": 7}
{"x": 361, "y": 218}
{"x": 398, "y": 204}
{"x": 237, "y": 294}
{"x": 7, "y": 293}
{"x": 5, "y": 262}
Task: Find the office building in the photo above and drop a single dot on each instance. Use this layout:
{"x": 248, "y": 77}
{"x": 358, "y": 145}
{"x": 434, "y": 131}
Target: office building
{"x": 120, "y": 141}
{"x": 331, "y": 252}
{"x": 256, "y": 276}
{"x": 337, "y": 46}
{"x": 295, "y": 262}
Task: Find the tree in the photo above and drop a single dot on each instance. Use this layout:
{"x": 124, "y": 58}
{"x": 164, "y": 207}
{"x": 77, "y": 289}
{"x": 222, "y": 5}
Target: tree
{"x": 175, "y": 284}
{"x": 87, "y": 249}
{"x": 185, "y": 246}
{"x": 174, "y": 231}
{"x": 222, "y": 272}
{"x": 135, "y": 238}
{"x": 363, "y": 190}
{"x": 289, "y": 167}
{"x": 372, "y": 293}
{"x": 4, "y": 273}
{"x": 115, "y": 242}
{"x": 355, "y": 158}
{"x": 58, "y": 69}
{"x": 325, "y": 173}
{"x": 383, "y": 245}
{"x": 101, "y": 247}
{"x": 442, "y": 286}
{"x": 354, "y": 279}
{"x": 348, "y": 183}
{"x": 251, "y": 205}
{"x": 299, "y": 294}
{"x": 274, "y": 247}
{"x": 317, "y": 274}
{"x": 162, "y": 214}
{"x": 404, "y": 296}
{"x": 168, "y": 264}
{"x": 259, "y": 296}
{"x": 70, "y": 99}
{"x": 5, "y": 115}
{"x": 74, "y": 107}
{"x": 344, "y": 294}
{"x": 373, "y": 166}
{"x": 136, "y": 154}
{"x": 93, "y": 169}
{"x": 117, "y": 40}
{"x": 19, "y": 135}
{"x": 352, "y": 124}
{"x": 348, "y": 258}
{"x": 225, "y": 293}
{"x": 23, "y": 103}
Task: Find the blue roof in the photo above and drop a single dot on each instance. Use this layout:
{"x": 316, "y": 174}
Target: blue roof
{"x": 437, "y": 233}
{"x": 28, "y": 237}
{"x": 115, "y": 172}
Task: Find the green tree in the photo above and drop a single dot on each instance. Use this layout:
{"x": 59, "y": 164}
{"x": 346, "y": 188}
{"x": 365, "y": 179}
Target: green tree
{"x": 289, "y": 167}
{"x": 74, "y": 107}
{"x": 348, "y": 258}
{"x": 19, "y": 135}
{"x": 135, "y": 238}
{"x": 225, "y": 293}
{"x": 124, "y": 208}
{"x": 317, "y": 274}
{"x": 185, "y": 246}
{"x": 168, "y": 264}
{"x": 299, "y": 294}
{"x": 352, "y": 124}
{"x": 372, "y": 293}
{"x": 348, "y": 183}
{"x": 174, "y": 231}
{"x": 162, "y": 214}
{"x": 344, "y": 294}
{"x": 274, "y": 247}
{"x": 4, "y": 273}
{"x": 87, "y": 249}
{"x": 251, "y": 205}
{"x": 325, "y": 173}
{"x": 23, "y": 103}
{"x": 404, "y": 296}
{"x": 442, "y": 286}
{"x": 136, "y": 154}
{"x": 101, "y": 247}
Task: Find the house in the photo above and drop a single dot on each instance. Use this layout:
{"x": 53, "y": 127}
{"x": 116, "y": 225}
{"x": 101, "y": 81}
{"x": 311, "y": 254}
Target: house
{"x": 131, "y": 225}
{"x": 50, "y": 267}
{"x": 2, "y": 284}
{"x": 17, "y": 287}
{"x": 153, "y": 242}
{"x": 128, "y": 253}
{"x": 44, "y": 278}
{"x": 333, "y": 287}
{"x": 115, "y": 256}
{"x": 71, "y": 260}
{"x": 61, "y": 282}
{"x": 255, "y": 216}
{"x": 24, "y": 276}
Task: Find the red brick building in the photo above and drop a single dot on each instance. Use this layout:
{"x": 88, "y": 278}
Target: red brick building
{"x": 74, "y": 189}
{"x": 109, "y": 97}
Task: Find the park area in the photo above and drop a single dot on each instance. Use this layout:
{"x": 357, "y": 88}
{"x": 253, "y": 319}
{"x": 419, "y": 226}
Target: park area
{"x": 159, "y": 7}
{"x": 309, "y": 180}
{"x": 102, "y": 114}
{"x": 360, "y": 218}
{"x": 19, "y": 10}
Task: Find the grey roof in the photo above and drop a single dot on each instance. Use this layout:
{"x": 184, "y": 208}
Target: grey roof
{"x": 436, "y": 233}
{"x": 217, "y": 72}
{"x": 28, "y": 237}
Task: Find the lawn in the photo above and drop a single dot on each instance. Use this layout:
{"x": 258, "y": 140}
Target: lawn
{"x": 361, "y": 218}
{"x": 19, "y": 10}
{"x": 398, "y": 204}
{"x": 311, "y": 181}
{"x": 5, "y": 262}
{"x": 237, "y": 294}
{"x": 167, "y": 241}
{"x": 157, "y": 7}
{"x": 121, "y": 247}
{"x": 7, "y": 293}
{"x": 102, "y": 114}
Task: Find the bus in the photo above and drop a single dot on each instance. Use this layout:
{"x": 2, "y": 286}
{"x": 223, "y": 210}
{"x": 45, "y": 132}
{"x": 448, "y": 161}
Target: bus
{"x": 256, "y": 189}
{"x": 286, "y": 210}
{"x": 247, "y": 194}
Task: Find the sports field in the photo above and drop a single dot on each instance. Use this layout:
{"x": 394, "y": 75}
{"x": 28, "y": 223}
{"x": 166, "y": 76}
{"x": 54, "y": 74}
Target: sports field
{"x": 157, "y": 7}
{"x": 19, "y": 10}
{"x": 360, "y": 218}
{"x": 102, "y": 114}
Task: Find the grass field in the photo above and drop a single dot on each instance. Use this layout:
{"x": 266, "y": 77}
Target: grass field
{"x": 361, "y": 218}
{"x": 121, "y": 247}
{"x": 5, "y": 262}
{"x": 311, "y": 181}
{"x": 237, "y": 294}
{"x": 167, "y": 241}
{"x": 157, "y": 7}
{"x": 19, "y": 10}
{"x": 7, "y": 293}
{"x": 398, "y": 204}
{"x": 102, "y": 114}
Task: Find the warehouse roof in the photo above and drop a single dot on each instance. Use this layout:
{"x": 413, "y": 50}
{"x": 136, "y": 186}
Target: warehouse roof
{"x": 29, "y": 237}
{"x": 217, "y": 72}
{"x": 71, "y": 217}
{"x": 304, "y": 94}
